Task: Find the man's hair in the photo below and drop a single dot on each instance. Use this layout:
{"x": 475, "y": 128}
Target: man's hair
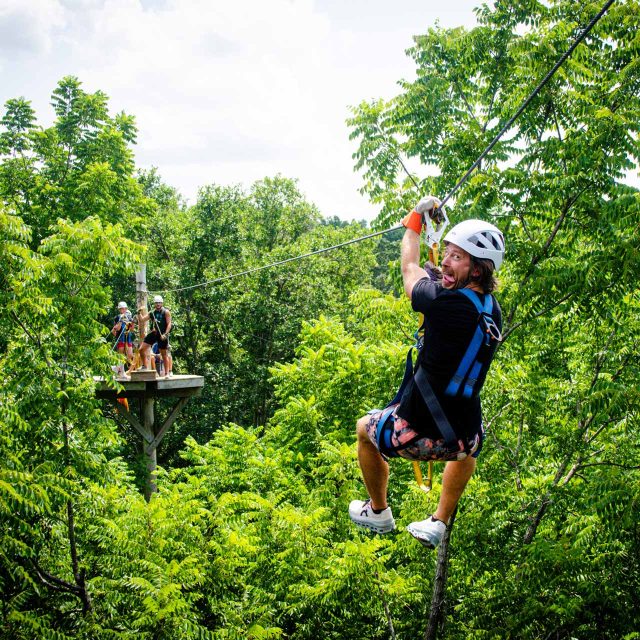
{"x": 485, "y": 278}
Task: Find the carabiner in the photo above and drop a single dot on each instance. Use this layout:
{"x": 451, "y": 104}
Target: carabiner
{"x": 491, "y": 327}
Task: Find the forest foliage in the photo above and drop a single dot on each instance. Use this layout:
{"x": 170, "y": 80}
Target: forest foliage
{"x": 248, "y": 535}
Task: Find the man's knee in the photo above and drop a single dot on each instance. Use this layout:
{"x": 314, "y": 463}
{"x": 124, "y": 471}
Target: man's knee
{"x": 361, "y": 428}
{"x": 462, "y": 468}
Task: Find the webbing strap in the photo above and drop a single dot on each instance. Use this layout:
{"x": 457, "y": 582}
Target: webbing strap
{"x": 384, "y": 428}
{"x": 408, "y": 374}
{"x": 437, "y": 413}
{"x": 472, "y": 379}
{"x": 469, "y": 369}
{"x": 469, "y": 362}
{"x": 383, "y": 435}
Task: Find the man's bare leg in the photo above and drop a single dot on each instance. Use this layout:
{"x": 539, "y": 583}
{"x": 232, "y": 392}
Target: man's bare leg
{"x": 144, "y": 355}
{"x": 455, "y": 476}
{"x": 167, "y": 361}
{"x": 375, "y": 471}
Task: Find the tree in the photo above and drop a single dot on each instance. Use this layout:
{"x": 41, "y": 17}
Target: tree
{"x": 82, "y": 165}
{"x": 55, "y": 442}
{"x": 562, "y": 395}
{"x": 232, "y": 330}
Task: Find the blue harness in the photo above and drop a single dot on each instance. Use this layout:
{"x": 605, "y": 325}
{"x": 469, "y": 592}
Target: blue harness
{"x": 465, "y": 377}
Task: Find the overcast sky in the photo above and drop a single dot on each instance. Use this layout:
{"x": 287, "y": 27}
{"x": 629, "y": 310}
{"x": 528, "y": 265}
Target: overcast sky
{"x": 226, "y": 91}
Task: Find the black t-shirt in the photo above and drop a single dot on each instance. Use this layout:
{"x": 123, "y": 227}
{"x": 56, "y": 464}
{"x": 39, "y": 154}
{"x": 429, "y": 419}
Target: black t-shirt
{"x": 450, "y": 322}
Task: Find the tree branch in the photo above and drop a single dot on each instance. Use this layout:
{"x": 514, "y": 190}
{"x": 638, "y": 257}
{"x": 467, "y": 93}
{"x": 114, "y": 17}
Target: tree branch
{"x": 607, "y": 463}
{"x": 517, "y": 325}
{"x": 57, "y": 584}
{"x": 438, "y": 602}
{"x": 540, "y": 255}
{"x": 33, "y": 337}
{"x": 546, "y": 502}
{"x": 397, "y": 157}
{"x": 74, "y": 292}
{"x": 387, "y": 613}
{"x": 463, "y": 95}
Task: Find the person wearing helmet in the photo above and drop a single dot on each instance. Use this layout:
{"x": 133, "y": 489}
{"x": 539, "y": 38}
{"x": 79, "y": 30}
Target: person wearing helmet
{"x": 123, "y": 330}
{"x": 462, "y": 323}
{"x": 160, "y": 318}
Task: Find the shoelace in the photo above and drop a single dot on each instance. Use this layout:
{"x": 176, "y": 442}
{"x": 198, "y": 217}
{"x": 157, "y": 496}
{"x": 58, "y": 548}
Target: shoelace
{"x": 365, "y": 507}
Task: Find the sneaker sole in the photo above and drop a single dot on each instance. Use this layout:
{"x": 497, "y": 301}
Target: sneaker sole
{"x": 374, "y": 528}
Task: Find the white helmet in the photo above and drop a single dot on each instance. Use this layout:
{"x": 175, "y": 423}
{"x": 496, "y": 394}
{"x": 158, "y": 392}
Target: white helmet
{"x": 479, "y": 238}
{"x": 157, "y": 299}
{"x": 122, "y": 304}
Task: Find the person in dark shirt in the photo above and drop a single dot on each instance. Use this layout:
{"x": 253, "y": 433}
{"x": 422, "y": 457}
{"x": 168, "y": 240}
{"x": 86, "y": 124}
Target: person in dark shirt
{"x": 161, "y": 325}
{"x": 459, "y": 308}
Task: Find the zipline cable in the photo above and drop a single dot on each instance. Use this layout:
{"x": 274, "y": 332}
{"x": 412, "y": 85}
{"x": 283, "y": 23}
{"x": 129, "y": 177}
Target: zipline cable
{"x": 279, "y": 262}
{"x": 581, "y": 36}
{"x": 531, "y": 96}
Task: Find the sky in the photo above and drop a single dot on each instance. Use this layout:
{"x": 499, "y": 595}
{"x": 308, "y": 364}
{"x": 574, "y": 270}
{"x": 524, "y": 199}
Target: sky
{"x": 227, "y": 92}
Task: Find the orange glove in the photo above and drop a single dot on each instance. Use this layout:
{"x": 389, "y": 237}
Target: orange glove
{"x": 413, "y": 221}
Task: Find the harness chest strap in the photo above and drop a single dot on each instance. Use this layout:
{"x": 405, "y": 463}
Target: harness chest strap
{"x": 470, "y": 366}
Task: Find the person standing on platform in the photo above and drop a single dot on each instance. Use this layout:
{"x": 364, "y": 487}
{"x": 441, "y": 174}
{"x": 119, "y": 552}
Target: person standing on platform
{"x": 161, "y": 324}
{"x": 123, "y": 331}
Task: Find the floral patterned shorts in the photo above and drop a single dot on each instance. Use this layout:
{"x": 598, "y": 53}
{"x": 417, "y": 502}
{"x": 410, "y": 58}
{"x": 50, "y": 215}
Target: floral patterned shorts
{"x": 422, "y": 448}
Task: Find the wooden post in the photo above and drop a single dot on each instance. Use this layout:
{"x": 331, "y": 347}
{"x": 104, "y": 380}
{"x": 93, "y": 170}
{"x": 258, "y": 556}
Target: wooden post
{"x": 181, "y": 387}
{"x": 150, "y": 456}
{"x": 141, "y": 296}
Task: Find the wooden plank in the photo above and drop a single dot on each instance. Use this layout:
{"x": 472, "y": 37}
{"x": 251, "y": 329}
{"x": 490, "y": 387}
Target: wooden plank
{"x": 180, "y": 382}
{"x": 167, "y": 423}
{"x": 177, "y": 386}
{"x": 139, "y": 375}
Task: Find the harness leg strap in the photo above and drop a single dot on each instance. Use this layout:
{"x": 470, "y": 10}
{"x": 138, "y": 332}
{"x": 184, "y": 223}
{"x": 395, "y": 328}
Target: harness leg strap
{"x": 436, "y": 410}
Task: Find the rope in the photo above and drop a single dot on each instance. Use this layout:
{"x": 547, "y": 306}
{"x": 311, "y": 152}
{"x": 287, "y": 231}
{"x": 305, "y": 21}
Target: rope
{"x": 531, "y": 96}
{"x": 460, "y": 182}
{"x": 279, "y": 262}
{"x": 115, "y": 344}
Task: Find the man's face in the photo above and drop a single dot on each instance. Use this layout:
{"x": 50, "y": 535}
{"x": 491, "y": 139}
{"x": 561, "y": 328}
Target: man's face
{"x": 122, "y": 309}
{"x": 158, "y": 305}
{"x": 456, "y": 267}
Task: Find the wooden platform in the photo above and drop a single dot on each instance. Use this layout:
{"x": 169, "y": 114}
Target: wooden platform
{"x": 179, "y": 386}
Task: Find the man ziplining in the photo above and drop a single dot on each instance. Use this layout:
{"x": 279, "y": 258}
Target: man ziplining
{"x": 439, "y": 415}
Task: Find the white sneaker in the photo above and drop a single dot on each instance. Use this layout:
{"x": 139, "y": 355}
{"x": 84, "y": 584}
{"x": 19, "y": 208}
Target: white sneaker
{"x": 428, "y": 531}
{"x": 361, "y": 512}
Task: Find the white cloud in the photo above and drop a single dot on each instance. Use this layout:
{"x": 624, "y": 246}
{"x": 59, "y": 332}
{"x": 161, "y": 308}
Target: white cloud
{"x": 234, "y": 91}
{"x": 28, "y": 27}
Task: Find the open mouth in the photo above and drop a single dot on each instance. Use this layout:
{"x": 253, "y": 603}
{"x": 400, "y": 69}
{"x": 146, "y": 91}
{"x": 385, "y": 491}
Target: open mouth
{"x": 448, "y": 280}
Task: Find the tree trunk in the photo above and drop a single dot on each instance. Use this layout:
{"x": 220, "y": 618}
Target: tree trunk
{"x": 438, "y": 599}
{"x": 546, "y": 501}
